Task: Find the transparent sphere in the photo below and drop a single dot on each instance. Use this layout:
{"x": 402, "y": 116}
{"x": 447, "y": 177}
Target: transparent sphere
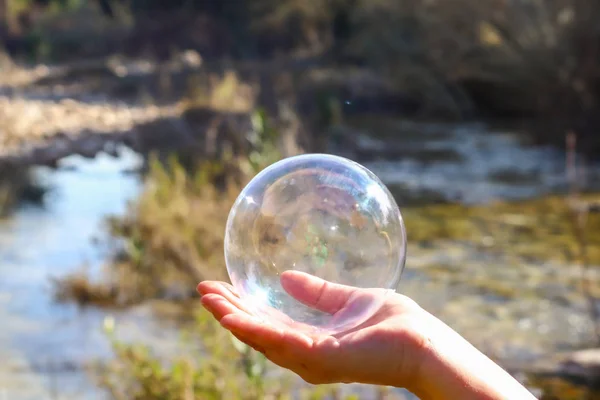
{"x": 305, "y": 232}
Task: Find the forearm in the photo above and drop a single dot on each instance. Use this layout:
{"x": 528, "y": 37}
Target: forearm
{"x": 452, "y": 368}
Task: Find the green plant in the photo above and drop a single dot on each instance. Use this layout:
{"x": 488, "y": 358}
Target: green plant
{"x": 19, "y": 185}
{"x": 172, "y": 235}
{"x": 578, "y": 214}
{"x": 174, "y": 232}
{"x": 221, "y": 367}
{"x": 263, "y": 139}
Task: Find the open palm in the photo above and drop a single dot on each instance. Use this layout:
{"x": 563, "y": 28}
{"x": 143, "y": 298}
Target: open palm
{"x": 383, "y": 350}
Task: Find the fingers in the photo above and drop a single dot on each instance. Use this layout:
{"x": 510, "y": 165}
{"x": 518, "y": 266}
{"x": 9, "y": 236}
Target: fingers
{"x": 259, "y": 332}
{"x": 220, "y": 299}
{"x": 316, "y": 292}
{"x": 287, "y": 347}
{"x": 249, "y": 343}
{"x": 217, "y": 287}
{"x": 280, "y": 340}
{"x": 224, "y": 290}
{"x": 218, "y": 306}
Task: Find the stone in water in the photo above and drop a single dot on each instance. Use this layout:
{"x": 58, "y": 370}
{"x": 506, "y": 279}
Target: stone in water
{"x": 307, "y": 220}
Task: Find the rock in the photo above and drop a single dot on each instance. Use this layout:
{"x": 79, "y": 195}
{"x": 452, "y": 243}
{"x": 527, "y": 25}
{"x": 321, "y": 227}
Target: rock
{"x": 36, "y": 132}
{"x": 580, "y": 366}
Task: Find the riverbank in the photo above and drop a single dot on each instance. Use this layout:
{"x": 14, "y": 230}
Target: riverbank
{"x": 50, "y": 112}
{"x": 488, "y": 230}
{"x": 522, "y": 305}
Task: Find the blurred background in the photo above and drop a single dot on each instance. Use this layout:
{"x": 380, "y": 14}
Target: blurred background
{"x": 128, "y": 127}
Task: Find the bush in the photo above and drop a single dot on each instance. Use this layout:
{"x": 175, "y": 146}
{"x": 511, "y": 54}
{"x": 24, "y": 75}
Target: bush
{"x": 172, "y": 236}
{"x": 175, "y": 230}
{"x": 19, "y": 185}
{"x": 222, "y": 368}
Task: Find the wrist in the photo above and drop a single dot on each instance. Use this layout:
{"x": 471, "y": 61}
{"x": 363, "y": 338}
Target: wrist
{"x": 428, "y": 364}
{"x": 445, "y": 368}
{"x": 419, "y": 364}
{"x": 450, "y": 367}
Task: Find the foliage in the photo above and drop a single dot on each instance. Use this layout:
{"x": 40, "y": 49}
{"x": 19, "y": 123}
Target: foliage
{"x": 174, "y": 233}
{"x": 263, "y": 139}
{"x": 539, "y": 229}
{"x": 172, "y": 236}
{"x": 222, "y": 368}
{"x": 17, "y": 6}
{"x": 177, "y": 224}
{"x": 456, "y": 56}
{"x": 80, "y": 288}
{"x": 170, "y": 239}
{"x": 228, "y": 94}
{"x": 19, "y": 185}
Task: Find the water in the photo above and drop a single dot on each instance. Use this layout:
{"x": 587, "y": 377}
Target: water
{"x": 44, "y": 345}
{"x": 469, "y": 163}
{"x": 478, "y": 165}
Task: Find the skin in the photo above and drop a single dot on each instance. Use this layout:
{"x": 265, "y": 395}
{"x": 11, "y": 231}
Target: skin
{"x": 402, "y": 345}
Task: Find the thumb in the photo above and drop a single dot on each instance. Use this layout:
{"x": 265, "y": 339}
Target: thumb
{"x": 316, "y": 292}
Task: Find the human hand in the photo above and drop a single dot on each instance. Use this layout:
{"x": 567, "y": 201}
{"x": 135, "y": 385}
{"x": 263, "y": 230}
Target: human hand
{"x": 384, "y": 350}
{"x": 401, "y": 345}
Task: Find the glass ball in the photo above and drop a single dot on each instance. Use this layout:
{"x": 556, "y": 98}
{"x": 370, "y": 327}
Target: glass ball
{"x": 304, "y": 234}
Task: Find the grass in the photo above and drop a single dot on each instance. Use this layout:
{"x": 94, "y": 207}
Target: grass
{"x": 509, "y": 59}
{"x": 119, "y": 288}
{"x": 538, "y": 229}
{"x": 80, "y": 288}
{"x": 171, "y": 237}
{"x": 227, "y": 93}
{"x": 221, "y": 368}
{"x": 18, "y": 186}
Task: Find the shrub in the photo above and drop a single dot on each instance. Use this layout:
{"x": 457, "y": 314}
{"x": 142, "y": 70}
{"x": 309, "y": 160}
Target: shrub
{"x": 221, "y": 368}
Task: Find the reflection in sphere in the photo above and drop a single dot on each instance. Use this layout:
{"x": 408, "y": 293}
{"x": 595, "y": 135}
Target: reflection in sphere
{"x": 321, "y": 216}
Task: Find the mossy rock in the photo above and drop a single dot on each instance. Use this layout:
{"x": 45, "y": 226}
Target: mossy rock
{"x": 540, "y": 229}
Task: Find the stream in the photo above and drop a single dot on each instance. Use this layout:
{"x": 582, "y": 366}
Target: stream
{"x": 45, "y": 345}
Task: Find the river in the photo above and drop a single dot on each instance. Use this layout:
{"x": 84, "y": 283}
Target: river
{"x": 45, "y": 345}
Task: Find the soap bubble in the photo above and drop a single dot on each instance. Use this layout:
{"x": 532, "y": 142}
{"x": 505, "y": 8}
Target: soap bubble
{"x": 310, "y": 219}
